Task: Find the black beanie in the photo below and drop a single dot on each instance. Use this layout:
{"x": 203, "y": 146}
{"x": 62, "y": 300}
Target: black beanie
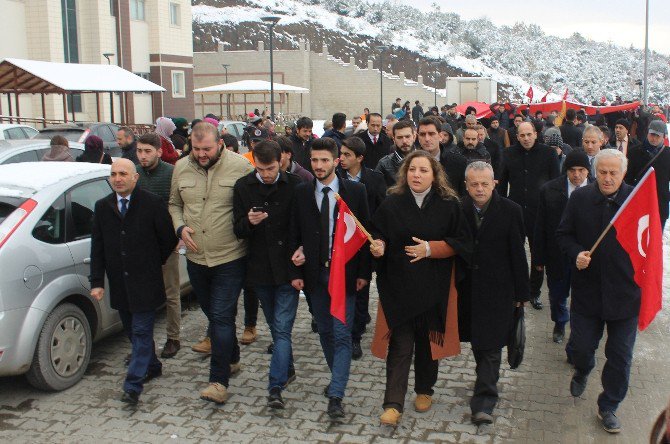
{"x": 623, "y": 122}
{"x": 576, "y": 159}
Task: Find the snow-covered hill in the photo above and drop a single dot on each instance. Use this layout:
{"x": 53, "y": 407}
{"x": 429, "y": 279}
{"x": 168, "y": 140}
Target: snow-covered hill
{"x": 516, "y": 57}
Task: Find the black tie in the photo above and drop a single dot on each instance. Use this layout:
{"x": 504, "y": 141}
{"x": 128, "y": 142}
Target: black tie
{"x": 324, "y": 245}
{"x": 124, "y": 207}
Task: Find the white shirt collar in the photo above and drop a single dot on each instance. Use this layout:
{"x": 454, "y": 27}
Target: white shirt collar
{"x": 334, "y": 186}
{"x": 572, "y": 188}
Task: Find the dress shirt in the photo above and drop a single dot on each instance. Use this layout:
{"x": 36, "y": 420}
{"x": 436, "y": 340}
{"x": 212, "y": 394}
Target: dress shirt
{"x": 572, "y": 188}
{"x": 318, "y": 195}
{"x": 118, "y": 201}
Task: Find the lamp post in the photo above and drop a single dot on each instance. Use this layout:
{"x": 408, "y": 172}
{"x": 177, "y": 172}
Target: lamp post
{"x": 107, "y": 55}
{"x": 645, "y": 94}
{"x": 639, "y": 84}
{"x": 271, "y": 21}
{"x": 436, "y": 72}
{"x": 225, "y": 66}
{"x": 381, "y": 49}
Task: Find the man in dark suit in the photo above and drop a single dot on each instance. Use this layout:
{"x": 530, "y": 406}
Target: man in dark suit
{"x": 352, "y": 154}
{"x": 546, "y": 255}
{"x": 497, "y": 281}
{"x": 454, "y": 164}
{"x": 569, "y": 132}
{"x": 132, "y": 238}
{"x": 604, "y": 292}
{"x": 311, "y": 238}
{"x": 526, "y": 166}
{"x": 622, "y": 140}
{"x": 377, "y": 143}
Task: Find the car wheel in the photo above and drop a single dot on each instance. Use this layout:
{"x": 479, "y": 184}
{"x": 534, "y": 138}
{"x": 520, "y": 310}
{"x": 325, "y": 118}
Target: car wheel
{"x": 63, "y": 350}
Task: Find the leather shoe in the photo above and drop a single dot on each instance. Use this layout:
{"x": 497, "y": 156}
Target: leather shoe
{"x": 559, "y": 333}
{"x": 170, "y": 348}
{"x": 130, "y": 397}
{"x": 577, "y": 384}
{"x": 356, "y": 351}
{"x": 315, "y": 327}
{"x": 390, "y": 417}
{"x": 610, "y": 422}
{"x": 275, "y": 400}
{"x": 480, "y": 418}
{"x": 126, "y": 360}
{"x": 271, "y": 348}
{"x": 335, "y": 409}
{"x": 535, "y": 302}
{"x": 325, "y": 390}
{"x": 153, "y": 374}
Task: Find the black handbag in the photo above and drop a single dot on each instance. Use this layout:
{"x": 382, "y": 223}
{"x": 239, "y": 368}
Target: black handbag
{"x": 517, "y": 339}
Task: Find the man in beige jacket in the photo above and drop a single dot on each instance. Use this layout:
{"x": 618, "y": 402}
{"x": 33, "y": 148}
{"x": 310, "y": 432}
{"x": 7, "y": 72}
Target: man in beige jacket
{"x": 201, "y": 206}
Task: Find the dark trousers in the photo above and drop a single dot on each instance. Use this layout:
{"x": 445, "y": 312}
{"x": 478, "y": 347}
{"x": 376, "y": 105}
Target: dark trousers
{"x": 406, "y": 340}
{"x": 250, "y": 306}
{"x": 485, "y": 396}
{"x": 586, "y": 334}
{"x": 536, "y": 276}
{"x": 362, "y": 313}
{"x": 139, "y": 328}
{"x": 218, "y": 289}
{"x": 559, "y": 291}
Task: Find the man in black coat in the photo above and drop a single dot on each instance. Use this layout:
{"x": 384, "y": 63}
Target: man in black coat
{"x": 311, "y": 238}
{"x": 337, "y": 131}
{"x": 352, "y": 154}
{"x": 417, "y": 112}
{"x": 132, "y": 237}
{"x": 404, "y": 136}
{"x": 494, "y": 149}
{"x": 302, "y": 140}
{"x": 604, "y": 292}
{"x": 526, "y": 166}
{"x": 652, "y": 153}
{"x": 471, "y": 148}
{"x": 126, "y": 140}
{"x": 454, "y": 164}
{"x": 261, "y": 212}
{"x": 377, "y": 143}
{"x": 622, "y": 139}
{"x": 546, "y": 255}
{"x": 569, "y": 132}
{"x": 497, "y": 281}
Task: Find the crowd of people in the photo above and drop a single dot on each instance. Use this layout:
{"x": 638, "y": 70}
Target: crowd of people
{"x": 450, "y": 201}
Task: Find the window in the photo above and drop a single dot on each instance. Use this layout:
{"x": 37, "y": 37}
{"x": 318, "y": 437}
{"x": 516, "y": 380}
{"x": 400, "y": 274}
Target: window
{"x": 178, "y": 88}
{"x": 105, "y": 133}
{"x": 30, "y": 132}
{"x": 175, "y": 14}
{"x": 51, "y": 226}
{"x": 144, "y": 75}
{"x": 137, "y": 9}
{"x": 83, "y": 199}
{"x": 28, "y": 156}
{"x": 14, "y": 134}
{"x": 69, "y": 24}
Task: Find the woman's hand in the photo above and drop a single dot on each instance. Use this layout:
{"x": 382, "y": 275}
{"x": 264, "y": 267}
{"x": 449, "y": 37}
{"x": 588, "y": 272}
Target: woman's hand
{"x": 377, "y": 248}
{"x": 417, "y": 251}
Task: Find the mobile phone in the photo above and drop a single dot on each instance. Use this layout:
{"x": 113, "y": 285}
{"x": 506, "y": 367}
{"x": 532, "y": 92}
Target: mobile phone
{"x": 258, "y": 209}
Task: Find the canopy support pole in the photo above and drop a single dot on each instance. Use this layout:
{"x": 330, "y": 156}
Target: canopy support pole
{"x": 122, "y": 103}
{"x": 11, "y": 113}
{"x": 74, "y": 119}
{"x": 265, "y": 104}
{"x": 221, "y": 105}
{"x": 18, "y": 111}
{"x": 202, "y": 104}
{"x": 153, "y": 116}
{"x": 111, "y": 105}
{"x": 97, "y": 104}
{"x": 44, "y": 112}
{"x": 65, "y": 107}
{"x": 300, "y": 103}
{"x": 125, "y": 102}
{"x": 245, "y": 105}
{"x": 288, "y": 105}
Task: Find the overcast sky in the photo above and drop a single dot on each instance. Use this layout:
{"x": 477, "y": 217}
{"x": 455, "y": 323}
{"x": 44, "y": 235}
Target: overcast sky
{"x": 619, "y": 21}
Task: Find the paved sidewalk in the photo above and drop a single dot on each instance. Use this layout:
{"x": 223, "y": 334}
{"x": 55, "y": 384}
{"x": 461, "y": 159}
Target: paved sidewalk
{"x": 535, "y": 404}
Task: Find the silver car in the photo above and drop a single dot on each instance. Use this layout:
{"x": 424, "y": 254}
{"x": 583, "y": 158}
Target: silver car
{"x": 31, "y": 150}
{"x": 48, "y": 321}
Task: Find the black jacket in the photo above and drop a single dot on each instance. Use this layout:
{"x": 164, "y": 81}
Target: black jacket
{"x": 571, "y": 134}
{"x": 130, "y": 152}
{"x": 375, "y": 187}
{"x": 525, "y": 171}
{"x": 495, "y": 151}
{"x": 498, "y": 274}
{"x": 388, "y": 166}
{"x": 606, "y": 289}
{"x": 454, "y": 165}
{"x": 336, "y": 135}
{"x": 417, "y": 113}
{"x": 472, "y": 155}
{"x": 301, "y": 153}
{"x": 304, "y": 230}
{"x": 638, "y": 158}
{"x": 131, "y": 250}
{"x": 374, "y": 152}
{"x": 268, "y": 253}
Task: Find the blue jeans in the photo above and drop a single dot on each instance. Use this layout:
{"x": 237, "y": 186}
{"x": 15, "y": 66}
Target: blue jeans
{"x": 334, "y": 335}
{"x": 280, "y": 304}
{"x": 559, "y": 291}
{"x": 139, "y": 328}
{"x": 621, "y": 333}
{"x": 218, "y": 289}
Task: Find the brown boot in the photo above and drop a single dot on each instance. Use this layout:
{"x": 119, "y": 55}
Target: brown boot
{"x": 215, "y": 392}
{"x": 204, "y": 346}
{"x": 170, "y": 348}
{"x": 248, "y": 336}
{"x": 422, "y": 403}
{"x": 390, "y": 417}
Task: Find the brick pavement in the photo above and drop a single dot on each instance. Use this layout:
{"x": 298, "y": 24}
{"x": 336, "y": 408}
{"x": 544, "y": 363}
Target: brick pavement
{"x": 534, "y": 406}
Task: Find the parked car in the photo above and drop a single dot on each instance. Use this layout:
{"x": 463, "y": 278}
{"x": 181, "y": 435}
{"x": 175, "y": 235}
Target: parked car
{"x": 14, "y": 131}
{"x": 48, "y": 321}
{"x": 78, "y": 132}
{"x": 16, "y": 151}
{"x": 234, "y": 127}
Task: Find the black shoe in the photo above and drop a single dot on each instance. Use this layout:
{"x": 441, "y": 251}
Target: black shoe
{"x": 335, "y": 410}
{"x": 535, "y": 302}
{"x": 325, "y": 390}
{"x": 126, "y": 360}
{"x": 170, "y": 348}
{"x": 559, "y": 333}
{"x": 610, "y": 422}
{"x": 152, "y": 374}
{"x": 315, "y": 328}
{"x": 577, "y": 385}
{"x": 130, "y": 397}
{"x": 356, "y": 351}
{"x": 275, "y": 400}
{"x": 569, "y": 359}
{"x": 291, "y": 376}
{"x": 271, "y": 348}
{"x": 368, "y": 319}
{"x": 480, "y": 418}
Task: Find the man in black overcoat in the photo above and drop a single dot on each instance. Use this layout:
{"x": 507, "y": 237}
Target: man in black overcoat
{"x": 132, "y": 238}
{"x": 377, "y": 143}
{"x": 604, "y": 292}
{"x": 497, "y": 281}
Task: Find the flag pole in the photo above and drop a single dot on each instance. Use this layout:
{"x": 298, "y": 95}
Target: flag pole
{"x": 358, "y": 223}
{"x": 600, "y": 239}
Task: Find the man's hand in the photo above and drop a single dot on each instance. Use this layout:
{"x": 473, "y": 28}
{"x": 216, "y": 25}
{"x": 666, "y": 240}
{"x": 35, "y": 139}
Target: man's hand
{"x": 377, "y": 248}
{"x": 256, "y": 217}
{"x": 360, "y": 284}
{"x": 188, "y": 240}
{"x": 298, "y": 257}
{"x": 583, "y": 260}
{"x": 539, "y": 267}
{"x": 97, "y": 293}
{"x": 522, "y": 304}
{"x": 298, "y": 284}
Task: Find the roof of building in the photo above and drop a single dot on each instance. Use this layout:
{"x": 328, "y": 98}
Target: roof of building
{"x": 250, "y": 87}
{"x": 34, "y": 76}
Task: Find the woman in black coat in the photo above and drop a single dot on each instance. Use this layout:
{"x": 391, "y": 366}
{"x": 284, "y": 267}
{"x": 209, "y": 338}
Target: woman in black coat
{"x": 94, "y": 151}
{"x": 419, "y": 230}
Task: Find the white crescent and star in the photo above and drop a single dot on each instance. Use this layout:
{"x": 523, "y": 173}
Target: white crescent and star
{"x": 642, "y": 227}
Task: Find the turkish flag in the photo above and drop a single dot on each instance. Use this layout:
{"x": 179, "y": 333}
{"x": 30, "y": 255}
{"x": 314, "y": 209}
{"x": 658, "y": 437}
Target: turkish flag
{"x": 638, "y": 230}
{"x": 565, "y": 94}
{"x": 348, "y": 239}
{"x": 529, "y": 94}
{"x": 544, "y": 97}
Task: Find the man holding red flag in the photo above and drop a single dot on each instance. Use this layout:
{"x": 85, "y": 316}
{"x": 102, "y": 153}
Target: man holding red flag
{"x": 605, "y": 280}
{"x": 312, "y": 226}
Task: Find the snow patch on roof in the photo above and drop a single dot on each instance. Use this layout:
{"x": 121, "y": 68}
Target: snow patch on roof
{"x": 39, "y": 175}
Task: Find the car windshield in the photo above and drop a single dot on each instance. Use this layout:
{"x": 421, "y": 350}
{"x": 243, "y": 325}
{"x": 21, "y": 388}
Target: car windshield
{"x": 7, "y": 206}
{"x": 71, "y": 135}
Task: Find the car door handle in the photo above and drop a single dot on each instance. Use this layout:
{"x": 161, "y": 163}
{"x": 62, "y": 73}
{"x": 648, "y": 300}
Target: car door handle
{"x": 87, "y": 260}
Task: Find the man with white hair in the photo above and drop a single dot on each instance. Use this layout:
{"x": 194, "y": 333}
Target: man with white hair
{"x": 604, "y": 292}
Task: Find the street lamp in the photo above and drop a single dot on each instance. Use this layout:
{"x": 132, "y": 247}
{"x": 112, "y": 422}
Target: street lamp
{"x": 225, "y": 66}
{"x": 108, "y": 55}
{"x": 639, "y": 83}
{"x": 271, "y": 21}
{"x": 436, "y": 72}
{"x": 381, "y": 49}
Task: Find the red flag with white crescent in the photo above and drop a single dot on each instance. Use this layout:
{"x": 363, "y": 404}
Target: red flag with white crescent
{"x": 529, "y": 94}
